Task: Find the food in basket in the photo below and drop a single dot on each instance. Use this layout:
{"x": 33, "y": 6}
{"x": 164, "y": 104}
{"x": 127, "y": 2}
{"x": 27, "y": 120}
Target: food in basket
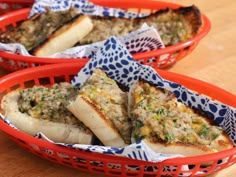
{"x": 41, "y": 109}
{"x": 173, "y": 25}
{"x": 117, "y": 118}
{"x": 168, "y": 126}
{"x": 102, "y": 106}
{"x": 49, "y": 32}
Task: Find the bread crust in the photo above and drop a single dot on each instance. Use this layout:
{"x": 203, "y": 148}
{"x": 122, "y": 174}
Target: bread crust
{"x": 189, "y": 149}
{"x": 190, "y": 14}
{"x": 178, "y": 148}
{"x": 85, "y": 110}
{"x": 58, "y": 132}
{"x": 65, "y": 37}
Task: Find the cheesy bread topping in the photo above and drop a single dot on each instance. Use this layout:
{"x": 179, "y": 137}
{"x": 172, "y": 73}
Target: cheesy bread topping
{"x": 109, "y": 99}
{"x": 160, "y": 118}
{"x": 35, "y": 30}
{"x": 49, "y": 103}
{"x": 106, "y": 27}
{"x": 174, "y": 26}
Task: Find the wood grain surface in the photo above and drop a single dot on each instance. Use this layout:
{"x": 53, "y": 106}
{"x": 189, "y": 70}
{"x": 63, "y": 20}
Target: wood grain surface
{"x": 213, "y": 61}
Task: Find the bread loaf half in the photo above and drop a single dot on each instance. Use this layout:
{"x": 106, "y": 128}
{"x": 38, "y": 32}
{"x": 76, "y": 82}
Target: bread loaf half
{"x": 169, "y": 126}
{"x": 41, "y": 109}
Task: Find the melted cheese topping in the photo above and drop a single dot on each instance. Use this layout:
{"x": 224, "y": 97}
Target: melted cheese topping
{"x": 172, "y": 27}
{"x": 158, "y": 116}
{"x": 35, "y": 30}
{"x": 106, "y": 27}
{"x": 49, "y": 103}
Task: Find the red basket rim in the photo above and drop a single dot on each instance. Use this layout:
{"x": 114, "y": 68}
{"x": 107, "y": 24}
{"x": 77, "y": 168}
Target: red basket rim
{"x": 17, "y": 1}
{"x": 46, "y": 60}
{"x": 189, "y": 82}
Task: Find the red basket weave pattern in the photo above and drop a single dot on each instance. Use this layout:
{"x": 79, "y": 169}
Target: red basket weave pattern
{"x": 160, "y": 58}
{"x": 107, "y": 164}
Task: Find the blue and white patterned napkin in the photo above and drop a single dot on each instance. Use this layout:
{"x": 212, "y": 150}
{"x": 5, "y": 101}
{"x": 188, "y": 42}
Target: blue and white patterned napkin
{"x": 117, "y": 62}
{"x": 83, "y": 7}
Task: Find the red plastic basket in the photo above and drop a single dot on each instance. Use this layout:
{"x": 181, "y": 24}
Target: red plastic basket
{"x": 10, "y": 5}
{"x": 161, "y": 58}
{"x": 88, "y": 161}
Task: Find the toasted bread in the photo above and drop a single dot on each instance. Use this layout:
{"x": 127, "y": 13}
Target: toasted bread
{"x": 168, "y": 126}
{"x": 65, "y": 37}
{"x": 33, "y": 31}
{"x": 173, "y": 25}
{"x": 102, "y": 106}
{"x": 31, "y": 120}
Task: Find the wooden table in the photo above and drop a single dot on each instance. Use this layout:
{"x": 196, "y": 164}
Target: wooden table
{"x": 214, "y": 61}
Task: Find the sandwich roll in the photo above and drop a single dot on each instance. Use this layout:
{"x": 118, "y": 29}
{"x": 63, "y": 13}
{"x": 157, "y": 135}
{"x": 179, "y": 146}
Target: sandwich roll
{"x": 169, "y": 126}
{"x": 61, "y": 127}
{"x": 39, "y": 33}
{"x": 173, "y": 25}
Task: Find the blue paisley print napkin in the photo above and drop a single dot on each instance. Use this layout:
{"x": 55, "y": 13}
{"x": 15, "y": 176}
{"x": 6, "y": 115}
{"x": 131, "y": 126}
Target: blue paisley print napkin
{"x": 117, "y": 62}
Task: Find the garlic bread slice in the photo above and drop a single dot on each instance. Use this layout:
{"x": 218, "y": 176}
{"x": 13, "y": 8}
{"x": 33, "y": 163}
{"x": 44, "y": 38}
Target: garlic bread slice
{"x": 168, "y": 126}
{"x": 102, "y": 106}
{"x": 41, "y": 109}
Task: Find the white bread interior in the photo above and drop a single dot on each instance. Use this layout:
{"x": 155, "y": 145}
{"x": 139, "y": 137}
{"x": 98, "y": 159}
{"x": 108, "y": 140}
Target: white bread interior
{"x": 58, "y": 132}
{"x": 87, "y": 113}
{"x": 66, "y": 37}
